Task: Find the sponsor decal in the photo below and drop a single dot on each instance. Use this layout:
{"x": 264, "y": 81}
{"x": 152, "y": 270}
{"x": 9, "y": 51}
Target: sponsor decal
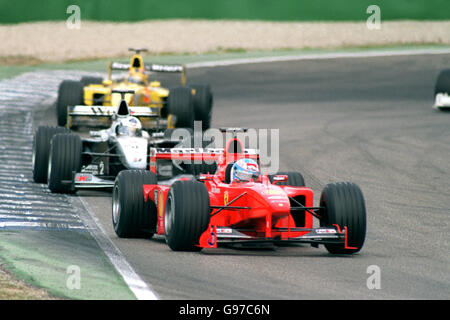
{"x": 224, "y": 230}
{"x": 320, "y": 231}
{"x": 214, "y": 189}
{"x": 160, "y": 204}
{"x": 164, "y": 68}
{"x": 273, "y": 191}
{"x": 83, "y": 178}
{"x": 212, "y": 238}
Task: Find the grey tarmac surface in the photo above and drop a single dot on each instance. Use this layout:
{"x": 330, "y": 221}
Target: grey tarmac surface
{"x": 366, "y": 120}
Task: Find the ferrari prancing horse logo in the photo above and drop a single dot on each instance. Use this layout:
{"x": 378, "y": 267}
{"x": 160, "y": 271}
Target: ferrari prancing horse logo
{"x": 225, "y": 198}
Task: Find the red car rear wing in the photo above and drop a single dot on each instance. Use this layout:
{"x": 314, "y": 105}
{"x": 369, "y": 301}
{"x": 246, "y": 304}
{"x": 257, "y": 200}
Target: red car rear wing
{"x": 232, "y": 152}
{"x": 198, "y": 155}
{"x": 205, "y": 154}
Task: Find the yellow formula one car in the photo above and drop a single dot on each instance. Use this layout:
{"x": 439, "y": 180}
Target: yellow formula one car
{"x": 175, "y": 107}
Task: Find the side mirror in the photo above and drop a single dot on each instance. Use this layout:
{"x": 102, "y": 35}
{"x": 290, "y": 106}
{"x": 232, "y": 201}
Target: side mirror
{"x": 280, "y": 178}
{"x": 206, "y": 177}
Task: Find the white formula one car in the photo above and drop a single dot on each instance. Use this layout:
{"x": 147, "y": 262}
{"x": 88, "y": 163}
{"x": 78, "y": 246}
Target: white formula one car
{"x": 68, "y": 162}
{"x": 442, "y": 91}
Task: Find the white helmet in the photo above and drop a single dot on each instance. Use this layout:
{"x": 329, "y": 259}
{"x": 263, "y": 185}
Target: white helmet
{"x": 244, "y": 170}
{"x": 129, "y": 126}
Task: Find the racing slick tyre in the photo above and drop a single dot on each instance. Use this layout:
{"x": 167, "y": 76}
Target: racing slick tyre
{"x": 70, "y": 93}
{"x": 41, "y": 150}
{"x": 91, "y": 80}
{"x": 295, "y": 179}
{"x": 203, "y": 100}
{"x": 343, "y": 205}
{"x": 443, "y": 82}
{"x": 64, "y": 159}
{"x": 181, "y": 104}
{"x": 187, "y": 215}
{"x": 132, "y": 217}
{"x": 201, "y": 168}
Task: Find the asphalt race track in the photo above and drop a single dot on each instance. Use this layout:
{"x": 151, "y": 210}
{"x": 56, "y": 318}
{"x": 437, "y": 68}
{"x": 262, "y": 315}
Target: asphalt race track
{"x": 366, "y": 120}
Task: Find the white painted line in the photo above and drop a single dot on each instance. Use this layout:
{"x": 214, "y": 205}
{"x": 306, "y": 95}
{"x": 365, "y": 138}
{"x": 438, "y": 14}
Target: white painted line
{"x": 138, "y": 286}
{"x": 28, "y": 224}
{"x": 318, "y": 56}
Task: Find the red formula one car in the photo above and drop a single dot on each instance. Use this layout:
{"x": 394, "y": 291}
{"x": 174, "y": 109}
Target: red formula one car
{"x": 207, "y": 210}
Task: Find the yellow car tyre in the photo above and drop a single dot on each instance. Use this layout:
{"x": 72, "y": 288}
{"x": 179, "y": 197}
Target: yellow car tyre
{"x": 91, "y": 80}
{"x": 70, "y": 93}
{"x": 181, "y": 104}
{"x": 203, "y": 100}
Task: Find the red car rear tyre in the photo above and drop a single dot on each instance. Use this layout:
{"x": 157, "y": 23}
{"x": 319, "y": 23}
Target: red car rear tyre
{"x": 295, "y": 179}
{"x": 132, "y": 217}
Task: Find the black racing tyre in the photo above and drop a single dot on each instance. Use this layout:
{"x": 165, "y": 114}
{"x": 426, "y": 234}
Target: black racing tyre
{"x": 64, "y": 159}
{"x": 295, "y": 179}
{"x": 132, "y": 217}
{"x": 185, "y": 136}
{"x": 195, "y": 139}
{"x": 197, "y": 168}
{"x": 344, "y": 205}
{"x": 41, "y": 150}
{"x": 70, "y": 93}
{"x": 180, "y": 103}
{"x": 443, "y": 82}
{"x": 200, "y": 168}
{"x": 203, "y": 101}
{"x": 87, "y": 80}
{"x": 187, "y": 215}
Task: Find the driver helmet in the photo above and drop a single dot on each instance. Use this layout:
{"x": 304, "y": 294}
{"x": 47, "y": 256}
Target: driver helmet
{"x": 130, "y": 126}
{"x": 137, "y": 78}
{"x": 244, "y": 170}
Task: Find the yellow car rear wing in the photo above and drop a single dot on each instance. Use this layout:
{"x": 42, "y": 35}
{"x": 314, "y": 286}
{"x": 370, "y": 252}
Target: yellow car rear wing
{"x": 154, "y": 67}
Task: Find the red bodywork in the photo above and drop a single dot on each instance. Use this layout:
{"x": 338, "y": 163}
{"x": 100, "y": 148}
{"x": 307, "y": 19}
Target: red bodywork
{"x": 244, "y": 212}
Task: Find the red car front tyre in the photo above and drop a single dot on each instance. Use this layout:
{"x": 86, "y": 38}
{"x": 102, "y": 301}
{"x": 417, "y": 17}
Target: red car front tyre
{"x": 344, "y": 205}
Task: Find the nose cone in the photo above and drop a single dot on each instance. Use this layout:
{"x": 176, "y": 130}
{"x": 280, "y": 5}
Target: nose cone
{"x": 276, "y": 199}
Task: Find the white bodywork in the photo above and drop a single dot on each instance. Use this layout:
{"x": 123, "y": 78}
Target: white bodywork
{"x": 134, "y": 150}
{"x": 441, "y": 101}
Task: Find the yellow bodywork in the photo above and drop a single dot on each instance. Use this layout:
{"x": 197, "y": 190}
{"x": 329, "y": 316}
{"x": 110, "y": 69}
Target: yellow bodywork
{"x": 146, "y": 93}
